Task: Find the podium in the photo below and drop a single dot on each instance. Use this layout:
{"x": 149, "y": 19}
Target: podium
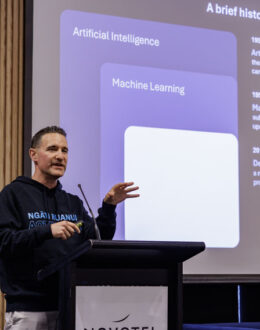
{"x": 114, "y": 270}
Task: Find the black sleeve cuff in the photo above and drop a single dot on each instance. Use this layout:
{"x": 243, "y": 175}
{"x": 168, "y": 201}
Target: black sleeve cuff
{"x": 44, "y": 233}
{"x": 108, "y": 209}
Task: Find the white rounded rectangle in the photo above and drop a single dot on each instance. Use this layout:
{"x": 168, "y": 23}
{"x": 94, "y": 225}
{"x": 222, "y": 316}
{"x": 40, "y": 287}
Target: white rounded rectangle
{"x": 188, "y": 184}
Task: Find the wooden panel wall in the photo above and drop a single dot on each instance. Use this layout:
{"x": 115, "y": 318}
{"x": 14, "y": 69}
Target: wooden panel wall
{"x": 11, "y": 96}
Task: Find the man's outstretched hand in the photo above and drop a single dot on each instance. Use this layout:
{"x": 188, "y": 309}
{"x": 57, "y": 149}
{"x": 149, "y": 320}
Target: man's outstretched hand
{"x": 119, "y": 192}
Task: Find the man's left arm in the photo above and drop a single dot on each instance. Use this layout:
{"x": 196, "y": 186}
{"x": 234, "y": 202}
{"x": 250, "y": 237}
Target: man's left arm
{"x": 106, "y": 219}
{"x": 107, "y": 216}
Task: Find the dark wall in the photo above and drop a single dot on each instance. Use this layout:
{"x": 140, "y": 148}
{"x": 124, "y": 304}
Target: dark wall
{"x": 216, "y": 303}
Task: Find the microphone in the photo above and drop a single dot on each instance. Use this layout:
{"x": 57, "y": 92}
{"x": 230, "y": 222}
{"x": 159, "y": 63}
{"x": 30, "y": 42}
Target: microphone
{"x": 97, "y": 232}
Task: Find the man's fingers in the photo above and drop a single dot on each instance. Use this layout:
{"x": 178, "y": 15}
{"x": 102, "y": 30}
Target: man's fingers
{"x": 122, "y": 185}
{"x": 131, "y": 189}
{"x": 132, "y": 195}
{"x": 127, "y": 184}
{"x": 68, "y": 230}
{"x": 64, "y": 229}
{"x": 65, "y": 235}
{"x": 72, "y": 227}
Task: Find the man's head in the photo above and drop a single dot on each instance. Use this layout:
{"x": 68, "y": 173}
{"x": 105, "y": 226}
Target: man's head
{"x": 36, "y": 139}
{"x": 49, "y": 152}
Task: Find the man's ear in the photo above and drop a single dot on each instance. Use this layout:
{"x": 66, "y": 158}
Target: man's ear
{"x": 33, "y": 154}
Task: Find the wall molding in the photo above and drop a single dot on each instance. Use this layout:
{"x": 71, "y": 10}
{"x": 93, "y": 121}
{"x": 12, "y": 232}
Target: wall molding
{"x": 11, "y": 97}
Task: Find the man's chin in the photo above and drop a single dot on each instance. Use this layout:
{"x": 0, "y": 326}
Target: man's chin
{"x": 57, "y": 173}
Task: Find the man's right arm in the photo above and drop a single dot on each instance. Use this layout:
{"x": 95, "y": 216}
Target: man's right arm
{"x": 15, "y": 238}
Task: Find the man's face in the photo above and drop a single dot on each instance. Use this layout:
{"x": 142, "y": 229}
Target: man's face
{"x": 51, "y": 156}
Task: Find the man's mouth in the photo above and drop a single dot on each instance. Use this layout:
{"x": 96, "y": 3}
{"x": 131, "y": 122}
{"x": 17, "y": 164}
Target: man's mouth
{"x": 58, "y": 165}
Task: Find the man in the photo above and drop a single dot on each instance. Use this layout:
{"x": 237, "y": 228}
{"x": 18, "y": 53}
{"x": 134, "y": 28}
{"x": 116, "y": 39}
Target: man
{"x": 38, "y": 224}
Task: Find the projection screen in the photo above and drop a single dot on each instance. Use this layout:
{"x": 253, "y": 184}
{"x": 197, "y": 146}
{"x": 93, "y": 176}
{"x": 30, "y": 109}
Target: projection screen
{"x": 165, "y": 94}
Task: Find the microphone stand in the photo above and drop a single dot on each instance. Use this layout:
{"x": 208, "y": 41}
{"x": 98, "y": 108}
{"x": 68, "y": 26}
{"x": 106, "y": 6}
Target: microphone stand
{"x": 97, "y": 232}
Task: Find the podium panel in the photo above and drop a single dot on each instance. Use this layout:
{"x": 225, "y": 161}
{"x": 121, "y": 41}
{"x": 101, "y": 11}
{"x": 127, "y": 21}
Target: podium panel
{"x": 117, "y": 307}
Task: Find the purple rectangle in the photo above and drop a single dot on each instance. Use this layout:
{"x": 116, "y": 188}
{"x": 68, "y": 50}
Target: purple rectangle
{"x": 90, "y": 118}
{"x": 187, "y": 100}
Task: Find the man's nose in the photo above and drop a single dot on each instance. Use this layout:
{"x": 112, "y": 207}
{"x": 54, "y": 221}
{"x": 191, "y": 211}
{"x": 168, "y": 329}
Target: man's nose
{"x": 59, "y": 155}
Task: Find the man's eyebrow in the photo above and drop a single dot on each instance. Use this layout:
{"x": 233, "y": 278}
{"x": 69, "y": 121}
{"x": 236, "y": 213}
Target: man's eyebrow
{"x": 56, "y": 146}
{"x": 52, "y": 146}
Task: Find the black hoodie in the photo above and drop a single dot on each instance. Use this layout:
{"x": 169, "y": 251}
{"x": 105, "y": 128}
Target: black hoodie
{"x": 27, "y": 210}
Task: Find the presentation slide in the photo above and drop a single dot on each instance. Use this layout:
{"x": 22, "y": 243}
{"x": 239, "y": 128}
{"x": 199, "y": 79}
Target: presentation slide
{"x": 167, "y": 95}
{"x": 195, "y": 97}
